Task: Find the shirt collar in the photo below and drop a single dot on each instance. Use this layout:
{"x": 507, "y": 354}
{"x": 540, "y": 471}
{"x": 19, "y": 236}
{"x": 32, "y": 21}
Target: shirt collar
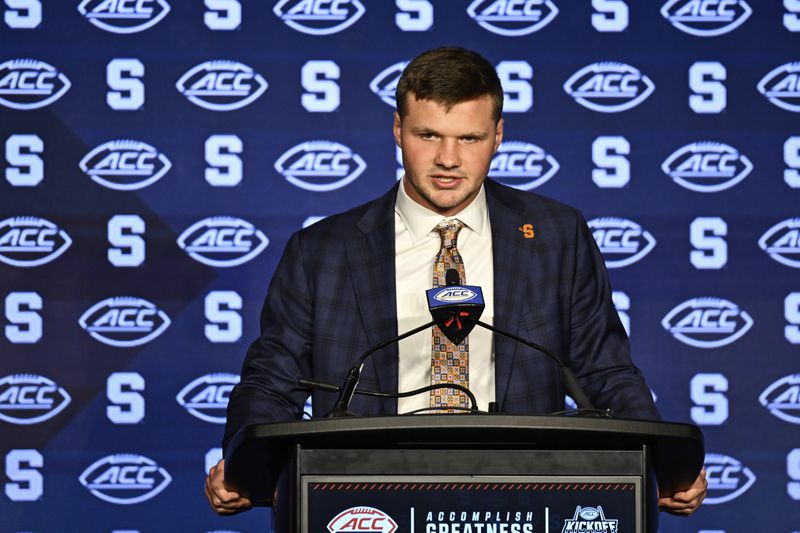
{"x": 420, "y": 221}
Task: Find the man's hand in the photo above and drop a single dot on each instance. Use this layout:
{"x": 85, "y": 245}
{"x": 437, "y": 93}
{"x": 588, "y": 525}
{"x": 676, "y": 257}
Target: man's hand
{"x": 687, "y": 502}
{"x": 222, "y": 500}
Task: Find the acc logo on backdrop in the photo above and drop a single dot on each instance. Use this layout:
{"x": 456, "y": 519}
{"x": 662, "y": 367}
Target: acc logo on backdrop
{"x": 706, "y": 18}
{"x": 31, "y": 241}
{"x": 222, "y": 241}
{"x": 125, "y": 165}
{"x": 362, "y": 519}
{"x": 727, "y": 478}
{"x": 782, "y": 242}
{"x": 782, "y": 398}
{"x": 320, "y": 166}
{"x": 384, "y": 84}
{"x": 30, "y": 84}
{"x": 29, "y": 399}
{"x": 319, "y": 17}
{"x": 512, "y": 18}
{"x": 609, "y": 87}
{"x": 221, "y": 85}
{"x": 707, "y": 166}
{"x": 522, "y": 165}
{"x": 707, "y": 322}
{"x": 124, "y": 321}
{"x": 621, "y": 241}
{"x": 125, "y": 478}
{"x": 124, "y": 17}
{"x": 781, "y": 86}
{"x": 206, "y": 397}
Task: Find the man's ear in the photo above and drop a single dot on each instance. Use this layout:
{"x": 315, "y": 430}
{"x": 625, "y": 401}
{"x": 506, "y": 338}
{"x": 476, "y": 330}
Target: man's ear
{"x": 396, "y": 129}
{"x": 498, "y": 134}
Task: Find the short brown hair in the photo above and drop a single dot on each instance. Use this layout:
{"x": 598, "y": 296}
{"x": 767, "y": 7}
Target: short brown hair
{"x": 449, "y": 76}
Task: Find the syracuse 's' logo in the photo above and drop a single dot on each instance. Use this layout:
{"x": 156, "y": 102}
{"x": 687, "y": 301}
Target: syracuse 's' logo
{"x": 522, "y": 165}
{"x": 512, "y": 18}
{"x": 319, "y": 17}
{"x": 621, "y": 241}
{"x": 125, "y": 165}
{"x": 30, "y": 84}
{"x": 124, "y": 321}
{"x": 781, "y": 86}
{"x": 120, "y": 16}
{"x": 384, "y": 84}
{"x": 706, "y": 18}
{"x": 320, "y": 165}
{"x": 707, "y": 166}
{"x": 207, "y": 397}
{"x": 362, "y": 520}
{"x": 222, "y": 85}
{"x": 29, "y": 399}
{"x": 125, "y": 478}
{"x": 782, "y": 398}
{"x": 782, "y": 242}
{"x": 707, "y": 322}
{"x": 222, "y": 241}
{"x": 727, "y": 478}
{"x": 609, "y": 87}
{"x": 31, "y": 241}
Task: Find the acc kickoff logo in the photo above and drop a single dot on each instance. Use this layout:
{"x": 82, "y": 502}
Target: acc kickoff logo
{"x": 706, "y": 18}
{"x": 384, "y": 84}
{"x": 31, "y": 241}
{"x": 707, "y": 322}
{"x": 222, "y": 241}
{"x": 124, "y": 321}
{"x": 512, "y": 18}
{"x": 124, "y": 17}
{"x": 782, "y": 398}
{"x": 30, "y": 84}
{"x": 206, "y": 397}
{"x": 221, "y": 85}
{"x": 727, "y": 478}
{"x": 707, "y": 166}
{"x": 320, "y": 166}
{"x": 621, "y": 241}
{"x": 319, "y": 17}
{"x": 125, "y": 165}
{"x": 609, "y": 87}
{"x": 29, "y": 399}
{"x": 522, "y": 165}
{"x": 781, "y": 86}
{"x": 589, "y": 519}
{"x": 362, "y": 519}
{"x": 125, "y": 478}
{"x": 782, "y": 242}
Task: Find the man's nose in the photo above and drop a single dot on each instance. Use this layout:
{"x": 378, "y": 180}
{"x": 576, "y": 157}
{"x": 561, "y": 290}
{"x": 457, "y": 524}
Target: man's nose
{"x": 448, "y": 155}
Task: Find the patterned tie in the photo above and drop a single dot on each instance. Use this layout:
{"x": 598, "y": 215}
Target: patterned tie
{"x": 449, "y": 363}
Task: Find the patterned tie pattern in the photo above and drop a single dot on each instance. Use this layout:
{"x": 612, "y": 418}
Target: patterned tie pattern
{"x": 449, "y": 363}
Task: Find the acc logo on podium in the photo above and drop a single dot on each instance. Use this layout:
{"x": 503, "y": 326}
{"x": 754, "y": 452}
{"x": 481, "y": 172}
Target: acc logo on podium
{"x": 782, "y": 398}
{"x": 384, "y": 84}
{"x": 781, "y": 86}
{"x": 221, "y": 85}
{"x": 207, "y": 397}
{"x": 31, "y": 241}
{"x": 125, "y": 165}
{"x": 707, "y": 166}
{"x": 319, "y": 17}
{"x": 706, "y": 18}
{"x": 30, "y": 84}
{"x": 362, "y": 519}
{"x": 621, "y": 241}
{"x": 609, "y": 87}
{"x": 512, "y": 18}
{"x": 782, "y": 242}
{"x": 522, "y": 165}
{"x": 222, "y": 241}
{"x": 125, "y": 479}
{"x": 727, "y": 478}
{"x": 707, "y": 322}
{"x": 124, "y": 17}
{"x": 320, "y": 166}
{"x": 29, "y": 399}
{"x": 124, "y": 321}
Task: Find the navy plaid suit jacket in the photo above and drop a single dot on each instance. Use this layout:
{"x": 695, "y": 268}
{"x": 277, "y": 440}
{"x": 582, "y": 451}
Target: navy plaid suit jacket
{"x": 333, "y": 295}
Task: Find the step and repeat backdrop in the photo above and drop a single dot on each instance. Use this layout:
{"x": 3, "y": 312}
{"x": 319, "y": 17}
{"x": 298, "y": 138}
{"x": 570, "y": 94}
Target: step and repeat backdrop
{"x": 158, "y": 154}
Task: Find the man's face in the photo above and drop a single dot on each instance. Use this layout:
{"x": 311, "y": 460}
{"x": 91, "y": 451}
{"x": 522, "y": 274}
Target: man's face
{"x": 446, "y": 154}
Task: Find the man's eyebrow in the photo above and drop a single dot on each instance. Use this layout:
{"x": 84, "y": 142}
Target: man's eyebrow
{"x": 423, "y": 129}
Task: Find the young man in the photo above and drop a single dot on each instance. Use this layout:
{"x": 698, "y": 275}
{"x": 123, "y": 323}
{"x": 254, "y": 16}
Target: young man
{"x": 359, "y": 278}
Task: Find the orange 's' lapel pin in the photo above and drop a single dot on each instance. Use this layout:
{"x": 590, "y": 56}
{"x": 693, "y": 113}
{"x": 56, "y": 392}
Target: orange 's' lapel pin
{"x": 527, "y": 231}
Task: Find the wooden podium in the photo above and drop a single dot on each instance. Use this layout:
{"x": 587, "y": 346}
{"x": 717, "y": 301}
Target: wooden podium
{"x": 464, "y": 473}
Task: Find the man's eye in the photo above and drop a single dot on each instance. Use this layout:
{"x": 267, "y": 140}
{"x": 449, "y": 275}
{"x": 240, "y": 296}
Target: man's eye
{"x": 428, "y": 135}
{"x": 469, "y": 139}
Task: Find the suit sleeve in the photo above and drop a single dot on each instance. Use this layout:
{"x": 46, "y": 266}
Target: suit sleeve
{"x": 600, "y": 350}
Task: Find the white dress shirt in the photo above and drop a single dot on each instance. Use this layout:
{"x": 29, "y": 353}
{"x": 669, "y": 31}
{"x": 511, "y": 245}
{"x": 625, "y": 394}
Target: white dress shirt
{"x": 416, "y": 245}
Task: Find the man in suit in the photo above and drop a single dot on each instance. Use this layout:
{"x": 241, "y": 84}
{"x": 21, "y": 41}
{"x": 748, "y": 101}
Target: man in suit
{"x": 358, "y": 278}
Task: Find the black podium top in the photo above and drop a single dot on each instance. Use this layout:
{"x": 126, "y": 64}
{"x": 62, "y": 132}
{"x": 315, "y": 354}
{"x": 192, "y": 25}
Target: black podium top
{"x": 258, "y": 453}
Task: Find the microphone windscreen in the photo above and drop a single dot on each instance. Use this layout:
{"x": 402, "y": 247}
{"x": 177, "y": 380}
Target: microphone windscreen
{"x": 451, "y": 277}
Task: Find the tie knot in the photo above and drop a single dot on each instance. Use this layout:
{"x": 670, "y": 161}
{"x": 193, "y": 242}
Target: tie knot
{"x": 448, "y": 231}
